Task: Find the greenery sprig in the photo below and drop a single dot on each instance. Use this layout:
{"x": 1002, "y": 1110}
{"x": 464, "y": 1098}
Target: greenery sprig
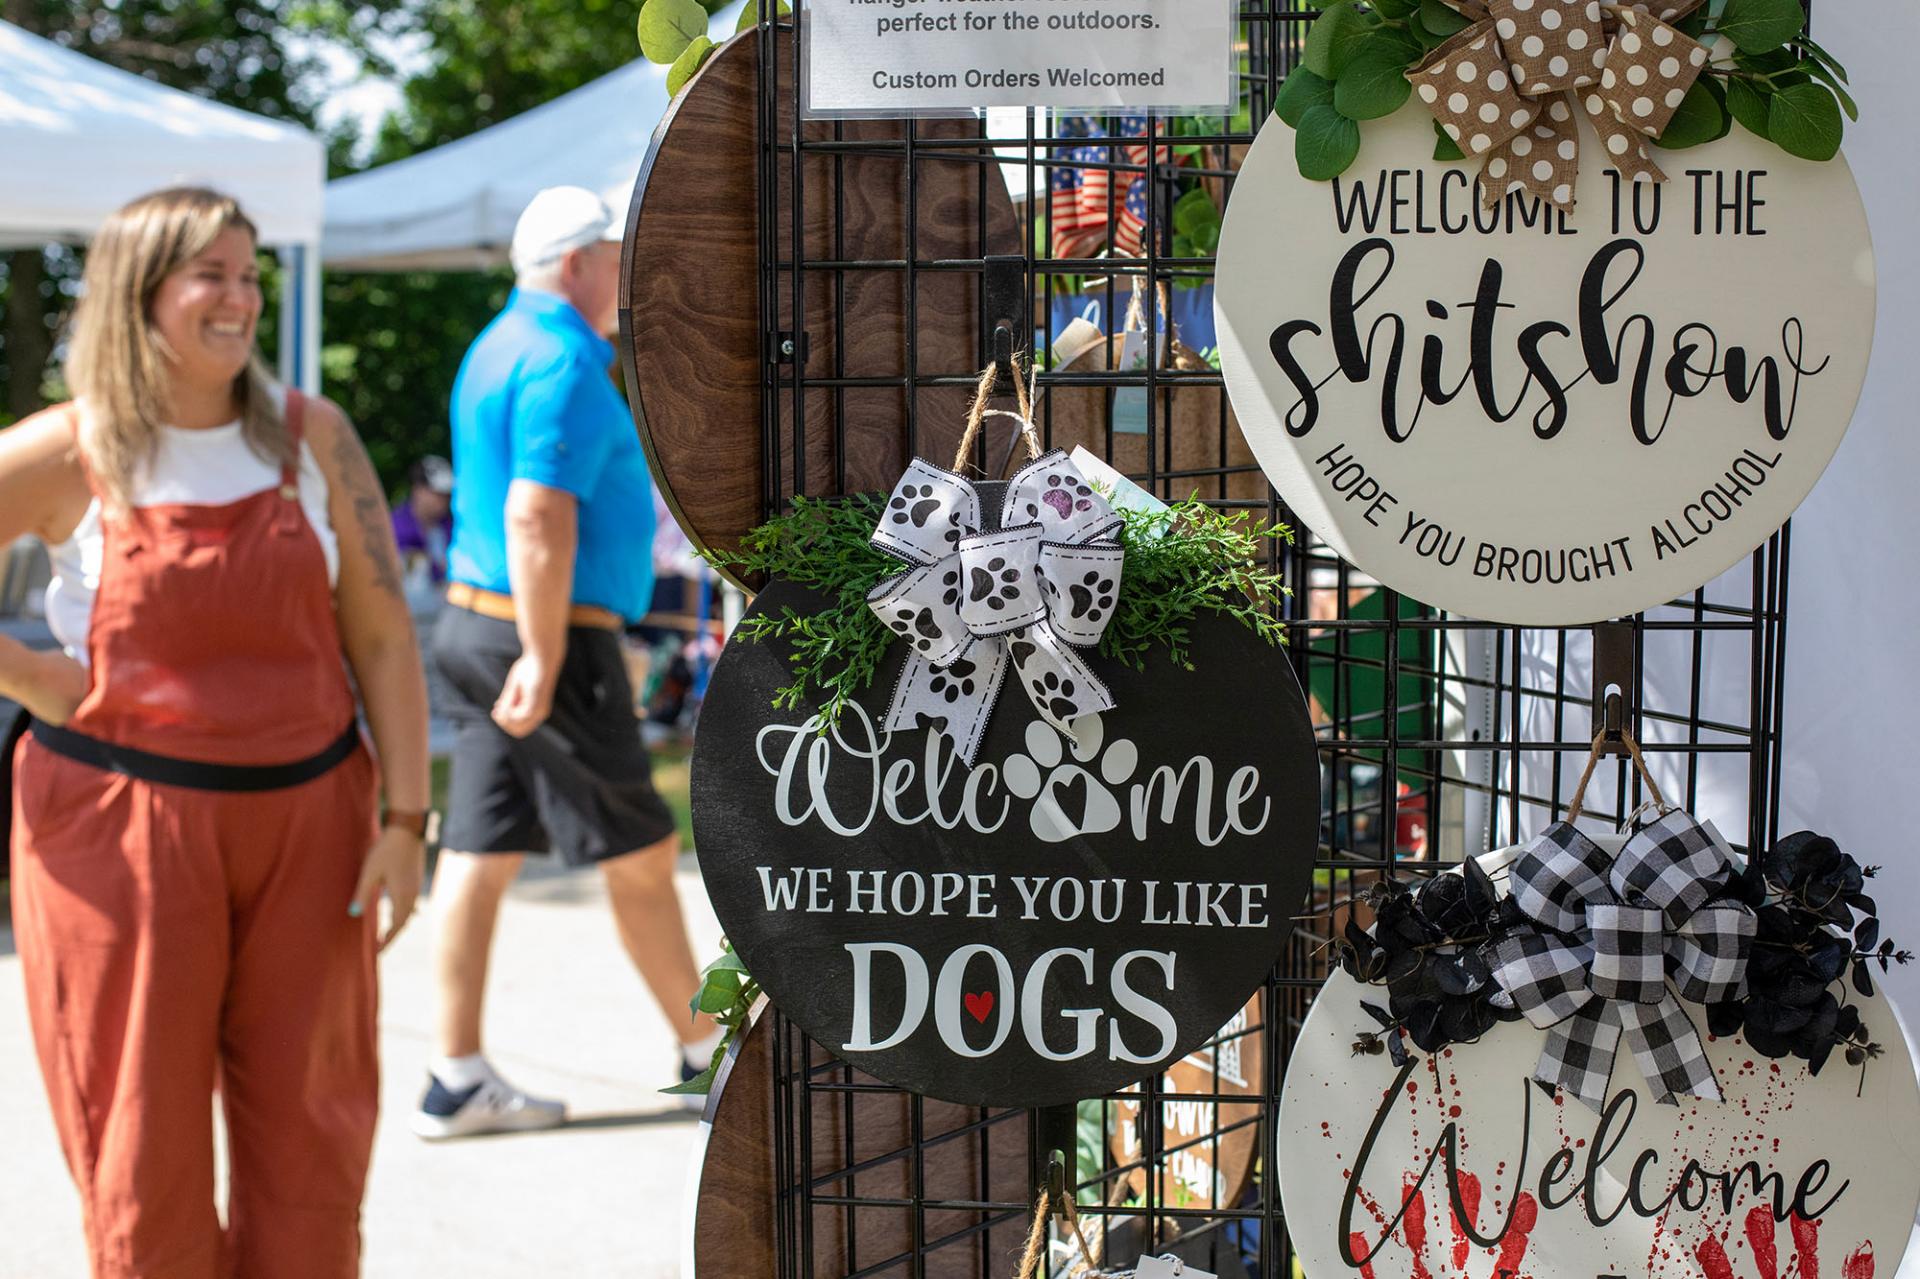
{"x": 727, "y": 994}
{"x": 1777, "y": 83}
{"x": 835, "y": 653}
{"x": 673, "y": 34}
{"x": 1187, "y": 561}
{"x": 1183, "y": 562}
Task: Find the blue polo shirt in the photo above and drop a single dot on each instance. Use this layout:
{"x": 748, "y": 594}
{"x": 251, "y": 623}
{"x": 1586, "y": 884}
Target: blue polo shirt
{"x": 534, "y": 401}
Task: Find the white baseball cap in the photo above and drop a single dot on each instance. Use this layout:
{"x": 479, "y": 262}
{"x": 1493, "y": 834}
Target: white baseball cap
{"x": 557, "y": 221}
{"x": 435, "y": 472}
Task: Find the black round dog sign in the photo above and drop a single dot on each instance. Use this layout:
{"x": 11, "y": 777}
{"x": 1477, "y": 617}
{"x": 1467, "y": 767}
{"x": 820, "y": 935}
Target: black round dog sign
{"x": 1066, "y": 915}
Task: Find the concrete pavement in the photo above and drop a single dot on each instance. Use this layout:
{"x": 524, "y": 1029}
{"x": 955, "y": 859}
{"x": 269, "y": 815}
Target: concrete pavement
{"x": 567, "y": 1017}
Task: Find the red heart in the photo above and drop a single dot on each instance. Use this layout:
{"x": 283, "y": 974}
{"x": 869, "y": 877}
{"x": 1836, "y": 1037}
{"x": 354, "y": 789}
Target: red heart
{"x": 980, "y": 1006}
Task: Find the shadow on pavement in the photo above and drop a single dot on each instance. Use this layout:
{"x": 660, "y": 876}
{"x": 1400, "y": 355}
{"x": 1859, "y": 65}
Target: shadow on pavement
{"x": 580, "y": 1123}
{"x": 546, "y": 879}
{"x": 634, "y": 1119}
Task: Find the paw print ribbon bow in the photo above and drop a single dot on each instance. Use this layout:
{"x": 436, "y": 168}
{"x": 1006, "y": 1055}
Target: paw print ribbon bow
{"x": 1510, "y": 87}
{"x": 973, "y": 601}
{"x": 1609, "y": 932}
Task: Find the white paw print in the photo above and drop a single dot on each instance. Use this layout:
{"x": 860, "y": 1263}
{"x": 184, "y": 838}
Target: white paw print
{"x": 1069, "y": 800}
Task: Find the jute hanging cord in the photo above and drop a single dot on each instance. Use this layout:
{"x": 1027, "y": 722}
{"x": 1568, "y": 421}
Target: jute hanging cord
{"x": 1037, "y": 1238}
{"x": 1600, "y": 743}
{"x": 983, "y": 396}
{"x": 985, "y": 591}
{"x": 1137, "y": 308}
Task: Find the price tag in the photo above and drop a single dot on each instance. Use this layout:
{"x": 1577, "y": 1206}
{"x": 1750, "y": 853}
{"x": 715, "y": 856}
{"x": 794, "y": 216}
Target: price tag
{"x": 1168, "y": 1267}
{"x": 1130, "y": 402}
{"x": 1122, "y": 493}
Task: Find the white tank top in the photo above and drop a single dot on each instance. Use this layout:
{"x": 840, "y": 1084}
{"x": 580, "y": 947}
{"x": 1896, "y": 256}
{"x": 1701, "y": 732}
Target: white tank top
{"x": 194, "y": 468}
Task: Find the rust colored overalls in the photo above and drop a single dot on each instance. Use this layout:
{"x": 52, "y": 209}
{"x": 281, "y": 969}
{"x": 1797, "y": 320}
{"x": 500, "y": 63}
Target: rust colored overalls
{"x": 184, "y": 854}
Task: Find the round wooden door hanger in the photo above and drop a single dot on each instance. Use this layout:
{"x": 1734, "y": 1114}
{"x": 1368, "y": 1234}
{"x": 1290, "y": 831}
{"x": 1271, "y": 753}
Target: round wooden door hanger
{"x": 1209, "y": 1148}
{"x": 1458, "y": 1164}
{"x": 1791, "y": 1175}
{"x": 1060, "y": 918}
{"x": 1533, "y": 415}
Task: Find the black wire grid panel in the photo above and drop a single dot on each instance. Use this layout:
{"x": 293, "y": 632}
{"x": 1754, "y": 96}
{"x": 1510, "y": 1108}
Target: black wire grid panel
{"x": 1439, "y": 737}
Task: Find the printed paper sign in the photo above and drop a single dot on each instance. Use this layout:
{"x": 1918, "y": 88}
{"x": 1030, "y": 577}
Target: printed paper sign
{"x": 1534, "y": 416}
{"x": 1061, "y": 918}
{"x": 941, "y": 57}
{"x": 1459, "y": 1167}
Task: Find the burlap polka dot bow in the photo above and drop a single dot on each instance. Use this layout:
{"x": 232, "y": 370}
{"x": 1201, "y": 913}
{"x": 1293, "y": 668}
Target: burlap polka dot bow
{"x": 1510, "y": 87}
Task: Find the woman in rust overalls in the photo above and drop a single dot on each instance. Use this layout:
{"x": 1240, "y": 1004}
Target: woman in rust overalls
{"x": 197, "y": 856}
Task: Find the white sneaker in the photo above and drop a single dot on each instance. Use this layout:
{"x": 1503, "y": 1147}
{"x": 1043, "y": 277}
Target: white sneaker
{"x": 492, "y": 1105}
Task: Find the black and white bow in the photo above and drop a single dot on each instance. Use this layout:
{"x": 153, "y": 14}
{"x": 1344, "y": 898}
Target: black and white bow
{"x": 1609, "y": 933}
{"x": 972, "y": 601}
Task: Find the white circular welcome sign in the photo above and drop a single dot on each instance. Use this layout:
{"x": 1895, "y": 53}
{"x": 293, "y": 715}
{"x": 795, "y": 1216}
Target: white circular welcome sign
{"x": 1457, "y": 1166}
{"x": 1536, "y": 416}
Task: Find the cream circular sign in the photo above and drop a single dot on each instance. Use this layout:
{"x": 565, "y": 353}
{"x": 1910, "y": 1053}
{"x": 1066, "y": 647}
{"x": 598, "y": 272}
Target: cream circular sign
{"x": 1537, "y": 416}
{"x": 1458, "y": 1166}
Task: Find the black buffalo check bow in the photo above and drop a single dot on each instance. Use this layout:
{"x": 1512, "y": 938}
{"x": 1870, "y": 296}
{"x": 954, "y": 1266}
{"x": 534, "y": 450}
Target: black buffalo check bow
{"x": 1608, "y": 935}
{"x": 973, "y": 602}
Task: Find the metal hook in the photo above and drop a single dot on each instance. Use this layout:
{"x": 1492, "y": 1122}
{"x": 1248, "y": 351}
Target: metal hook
{"x": 1003, "y": 349}
{"x": 1614, "y": 715}
{"x": 1053, "y": 1165}
{"x": 1612, "y": 685}
{"x": 1003, "y": 305}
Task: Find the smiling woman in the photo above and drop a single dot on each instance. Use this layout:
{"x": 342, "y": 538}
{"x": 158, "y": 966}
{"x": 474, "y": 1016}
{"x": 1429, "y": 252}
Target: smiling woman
{"x": 196, "y": 859}
{"x": 167, "y": 336}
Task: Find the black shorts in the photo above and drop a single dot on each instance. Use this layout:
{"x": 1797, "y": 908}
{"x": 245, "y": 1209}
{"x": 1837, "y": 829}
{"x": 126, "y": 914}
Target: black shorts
{"x": 580, "y": 786}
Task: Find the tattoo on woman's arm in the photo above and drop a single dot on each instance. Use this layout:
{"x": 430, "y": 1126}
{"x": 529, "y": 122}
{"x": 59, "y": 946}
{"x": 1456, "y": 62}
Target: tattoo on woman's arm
{"x": 370, "y": 510}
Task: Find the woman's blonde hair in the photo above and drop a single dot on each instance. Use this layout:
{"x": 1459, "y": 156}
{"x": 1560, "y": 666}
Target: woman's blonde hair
{"x": 118, "y": 364}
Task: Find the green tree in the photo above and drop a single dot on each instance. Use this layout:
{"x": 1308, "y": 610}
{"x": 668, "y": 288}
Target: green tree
{"x": 394, "y": 342}
{"x": 485, "y": 63}
{"x": 233, "y": 51}
{"x": 393, "y": 345}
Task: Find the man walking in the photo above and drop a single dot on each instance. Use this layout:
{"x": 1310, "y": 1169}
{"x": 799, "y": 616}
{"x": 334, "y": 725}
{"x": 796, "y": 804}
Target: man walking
{"x": 551, "y": 556}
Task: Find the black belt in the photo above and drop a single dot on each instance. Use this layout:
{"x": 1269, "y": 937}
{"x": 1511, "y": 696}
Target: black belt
{"x": 168, "y": 771}
{"x": 15, "y": 730}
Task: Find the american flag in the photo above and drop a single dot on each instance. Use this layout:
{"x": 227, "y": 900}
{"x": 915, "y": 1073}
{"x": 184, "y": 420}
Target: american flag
{"x": 1079, "y": 225}
{"x": 1087, "y": 201}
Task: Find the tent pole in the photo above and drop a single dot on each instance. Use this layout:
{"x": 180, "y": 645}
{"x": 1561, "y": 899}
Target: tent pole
{"x": 300, "y": 317}
{"x": 310, "y": 318}
{"x": 290, "y": 286}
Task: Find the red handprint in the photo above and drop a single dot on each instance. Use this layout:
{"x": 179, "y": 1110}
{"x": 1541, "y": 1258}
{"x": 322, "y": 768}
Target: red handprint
{"x": 1761, "y": 1235}
{"x": 1413, "y": 1231}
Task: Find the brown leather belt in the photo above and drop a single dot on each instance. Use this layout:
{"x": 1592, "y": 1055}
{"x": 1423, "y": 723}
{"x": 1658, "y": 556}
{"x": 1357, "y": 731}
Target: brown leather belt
{"x": 500, "y": 607}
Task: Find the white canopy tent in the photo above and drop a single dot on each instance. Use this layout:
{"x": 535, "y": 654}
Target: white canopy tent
{"x": 453, "y": 208}
{"x": 79, "y": 138}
